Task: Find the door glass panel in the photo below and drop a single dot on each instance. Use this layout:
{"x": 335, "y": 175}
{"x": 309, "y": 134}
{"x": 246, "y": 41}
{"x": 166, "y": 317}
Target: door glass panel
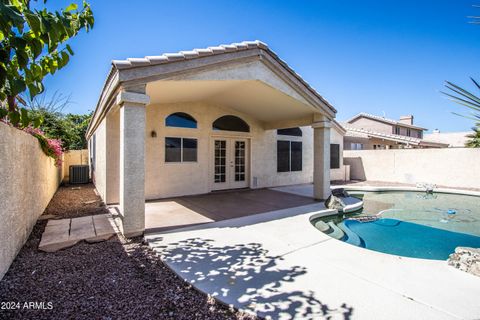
{"x": 220, "y": 161}
{"x": 239, "y": 160}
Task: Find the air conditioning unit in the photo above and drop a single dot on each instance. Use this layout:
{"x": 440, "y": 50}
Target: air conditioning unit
{"x": 79, "y": 174}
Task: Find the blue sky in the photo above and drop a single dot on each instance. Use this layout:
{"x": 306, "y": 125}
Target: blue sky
{"x": 371, "y": 56}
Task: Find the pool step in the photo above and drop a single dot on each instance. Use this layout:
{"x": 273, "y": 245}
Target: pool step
{"x": 322, "y": 226}
{"x": 336, "y": 232}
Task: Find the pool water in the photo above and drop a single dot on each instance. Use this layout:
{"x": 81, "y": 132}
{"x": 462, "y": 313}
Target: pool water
{"x": 411, "y": 224}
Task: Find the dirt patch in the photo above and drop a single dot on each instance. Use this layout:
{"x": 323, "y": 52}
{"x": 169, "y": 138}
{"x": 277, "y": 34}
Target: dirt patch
{"x": 115, "y": 279}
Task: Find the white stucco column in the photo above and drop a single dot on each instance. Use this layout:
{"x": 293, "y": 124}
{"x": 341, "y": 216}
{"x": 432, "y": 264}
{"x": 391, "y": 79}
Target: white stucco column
{"x": 321, "y": 159}
{"x": 132, "y": 161}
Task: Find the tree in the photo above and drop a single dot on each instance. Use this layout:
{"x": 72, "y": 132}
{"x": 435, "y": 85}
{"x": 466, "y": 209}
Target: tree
{"x": 471, "y": 101}
{"x": 70, "y": 128}
{"x": 79, "y": 124}
{"x": 474, "y": 141}
{"x": 33, "y": 45}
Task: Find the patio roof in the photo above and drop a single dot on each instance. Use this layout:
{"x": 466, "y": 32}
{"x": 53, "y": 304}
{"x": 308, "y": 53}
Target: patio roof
{"x": 132, "y": 73}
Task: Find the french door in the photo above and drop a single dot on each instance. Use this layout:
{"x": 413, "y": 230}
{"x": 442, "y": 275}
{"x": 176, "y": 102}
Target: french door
{"x": 230, "y": 163}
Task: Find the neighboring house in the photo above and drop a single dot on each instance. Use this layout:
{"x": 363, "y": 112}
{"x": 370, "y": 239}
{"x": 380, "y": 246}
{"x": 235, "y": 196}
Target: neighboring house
{"x": 365, "y": 132}
{"x": 453, "y": 139}
{"x": 232, "y": 116}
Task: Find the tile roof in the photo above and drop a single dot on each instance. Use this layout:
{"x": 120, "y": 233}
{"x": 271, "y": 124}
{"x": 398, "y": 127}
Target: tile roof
{"x": 383, "y": 119}
{"x": 357, "y": 132}
{"x": 210, "y": 51}
{"x": 186, "y": 55}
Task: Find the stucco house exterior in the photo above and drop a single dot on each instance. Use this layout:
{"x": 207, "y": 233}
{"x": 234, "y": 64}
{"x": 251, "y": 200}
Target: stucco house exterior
{"x": 193, "y": 122}
{"x": 452, "y": 139}
{"x": 366, "y": 132}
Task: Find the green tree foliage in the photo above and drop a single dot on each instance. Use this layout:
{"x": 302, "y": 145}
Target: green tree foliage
{"x": 471, "y": 101}
{"x": 33, "y": 45}
{"x": 69, "y": 128}
{"x": 474, "y": 141}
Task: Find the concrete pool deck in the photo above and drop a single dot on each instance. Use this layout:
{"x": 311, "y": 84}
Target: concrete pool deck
{"x": 277, "y": 264}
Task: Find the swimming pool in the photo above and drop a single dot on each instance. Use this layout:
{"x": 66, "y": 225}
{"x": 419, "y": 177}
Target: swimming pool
{"x": 410, "y": 224}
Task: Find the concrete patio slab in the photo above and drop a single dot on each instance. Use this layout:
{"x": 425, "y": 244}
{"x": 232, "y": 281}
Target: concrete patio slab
{"x": 277, "y": 264}
{"x": 64, "y": 233}
{"x": 179, "y": 212}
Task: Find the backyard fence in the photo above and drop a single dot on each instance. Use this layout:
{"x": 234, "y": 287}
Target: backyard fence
{"x": 28, "y": 181}
{"x": 449, "y": 167}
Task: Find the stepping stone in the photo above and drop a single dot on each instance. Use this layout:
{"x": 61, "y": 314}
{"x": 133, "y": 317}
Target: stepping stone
{"x": 56, "y": 236}
{"x": 82, "y": 228}
{"x": 104, "y": 230}
{"x": 64, "y": 233}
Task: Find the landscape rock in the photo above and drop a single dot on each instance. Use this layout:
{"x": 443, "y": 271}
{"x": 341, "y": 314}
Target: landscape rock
{"x": 466, "y": 259}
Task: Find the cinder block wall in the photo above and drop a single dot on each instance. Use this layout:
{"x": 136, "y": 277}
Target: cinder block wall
{"x": 450, "y": 167}
{"x": 28, "y": 180}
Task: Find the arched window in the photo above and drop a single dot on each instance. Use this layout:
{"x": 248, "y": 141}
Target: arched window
{"x": 181, "y": 120}
{"x": 230, "y": 123}
{"x": 296, "y": 132}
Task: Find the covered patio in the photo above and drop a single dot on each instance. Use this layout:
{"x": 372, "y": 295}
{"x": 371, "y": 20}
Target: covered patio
{"x": 139, "y": 156}
{"x": 172, "y": 213}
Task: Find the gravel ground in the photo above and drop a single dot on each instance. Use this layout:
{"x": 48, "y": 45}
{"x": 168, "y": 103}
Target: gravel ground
{"x": 115, "y": 279}
{"x": 73, "y": 201}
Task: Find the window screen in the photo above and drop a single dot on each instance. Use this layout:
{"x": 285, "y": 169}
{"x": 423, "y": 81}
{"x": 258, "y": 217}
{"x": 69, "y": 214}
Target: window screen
{"x": 334, "y": 156}
{"x": 180, "y": 149}
{"x": 289, "y": 156}
{"x": 189, "y": 150}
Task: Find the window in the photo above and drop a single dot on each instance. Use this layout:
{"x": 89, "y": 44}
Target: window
{"x": 334, "y": 156}
{"x": 289, "y": 156}
{"x": 181, "y": 120}
{"x": 230, "y": 123}
{"x": 296, "y": 132}
{"x": 180, "y": 149}
{"x": 396, "y": 130}
{"x": 408, "y": 133}
{"x": 419, "y": 134}
{"x": 356, "y": 146}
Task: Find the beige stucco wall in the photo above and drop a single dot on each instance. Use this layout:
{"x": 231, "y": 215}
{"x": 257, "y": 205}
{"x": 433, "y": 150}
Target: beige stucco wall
{"x": 29, "y": 180}
{"x": 457, "y": 167}
{"x": 72, "y": 158}
{"x": 100, "y": 171}
{"x": 173, "y": 179}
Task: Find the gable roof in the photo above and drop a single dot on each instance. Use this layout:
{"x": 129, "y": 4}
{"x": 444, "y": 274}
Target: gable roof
{"x": 114, "y": 77}
{"x": 357, "y": 132}
{"x": 384, "y": 120}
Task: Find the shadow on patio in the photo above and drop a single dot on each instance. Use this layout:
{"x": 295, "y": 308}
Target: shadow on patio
{"x": 172, "y": 213}
{"x": 246, "y": 275}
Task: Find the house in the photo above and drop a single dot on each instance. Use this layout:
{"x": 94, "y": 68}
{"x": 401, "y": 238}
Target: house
{"x": 366, "y": 131}
{"x": 453, "y": 139}
{"x": 193, "y": 122}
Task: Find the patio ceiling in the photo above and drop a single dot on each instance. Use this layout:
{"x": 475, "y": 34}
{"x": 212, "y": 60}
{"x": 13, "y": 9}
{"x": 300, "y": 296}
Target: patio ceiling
{"x": 252, "y": 97}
